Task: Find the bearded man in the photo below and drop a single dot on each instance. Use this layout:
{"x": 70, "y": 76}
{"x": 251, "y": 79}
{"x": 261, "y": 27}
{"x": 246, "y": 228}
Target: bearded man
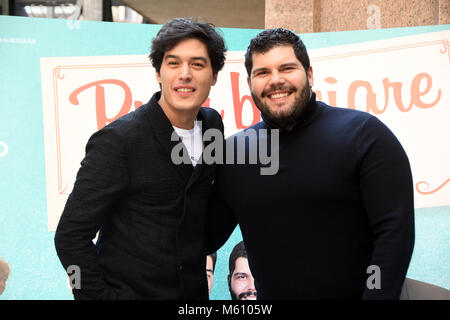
{"x": 337, "y": 217}
{"x": 240, "y": 280}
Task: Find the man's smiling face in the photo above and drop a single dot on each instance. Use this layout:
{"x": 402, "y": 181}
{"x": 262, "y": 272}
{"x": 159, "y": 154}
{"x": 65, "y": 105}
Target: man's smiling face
{"x": 280, "y": 86}
{"x": 186, "y": 77}
{"x": 241, "y": 282}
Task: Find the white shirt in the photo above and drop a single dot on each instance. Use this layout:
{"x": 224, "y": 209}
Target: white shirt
{"x": 192, "y": 139}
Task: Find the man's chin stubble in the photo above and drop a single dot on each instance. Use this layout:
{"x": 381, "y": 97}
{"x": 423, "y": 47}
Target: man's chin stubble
{"x": 285, "y": 121}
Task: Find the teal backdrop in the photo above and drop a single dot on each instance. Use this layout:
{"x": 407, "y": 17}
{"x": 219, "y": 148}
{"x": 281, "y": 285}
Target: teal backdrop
{"x": 25, "y": 242}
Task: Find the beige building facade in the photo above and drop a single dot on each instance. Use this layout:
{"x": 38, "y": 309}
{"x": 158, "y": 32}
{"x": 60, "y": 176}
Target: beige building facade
{"x": 301, "y": 16}
{"x": 304, "y": 16}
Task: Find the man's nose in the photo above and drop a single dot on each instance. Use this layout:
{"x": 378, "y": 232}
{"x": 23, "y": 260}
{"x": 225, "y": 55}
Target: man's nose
{"x": 251, "y": 284}
{"x": 185, "y": 72}
{"x": 277, "y": 78}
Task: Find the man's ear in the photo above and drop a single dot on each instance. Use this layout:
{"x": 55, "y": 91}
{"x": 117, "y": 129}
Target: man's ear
{"x": 214, "y": 78}
{"x": 158, "y": 79}
{"x": 310, "y": 77}
{"x": 249, "y": 84}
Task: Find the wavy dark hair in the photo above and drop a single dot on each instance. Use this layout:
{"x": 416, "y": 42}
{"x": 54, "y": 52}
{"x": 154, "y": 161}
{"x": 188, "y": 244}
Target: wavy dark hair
{"x": 238, "y": 251}
{"x": 270, "y": 38}
{"x": 180, "y": 29}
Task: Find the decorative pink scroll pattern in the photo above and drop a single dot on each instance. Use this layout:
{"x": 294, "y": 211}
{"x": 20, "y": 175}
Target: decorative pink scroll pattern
{"x": 445, "y": 48}
{"x": 427, "y": 187}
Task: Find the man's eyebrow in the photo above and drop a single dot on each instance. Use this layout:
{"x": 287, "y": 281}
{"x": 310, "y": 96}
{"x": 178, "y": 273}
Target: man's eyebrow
{"x": 173, "y": 56}
{"x": 259, "y": 69}
{"x": 200, "y": 58}
{"x": 290, "y": 64}
{"x": 209, "y": 270}
{"x": 239, "y": 274}
{"x": 284, "y": 65}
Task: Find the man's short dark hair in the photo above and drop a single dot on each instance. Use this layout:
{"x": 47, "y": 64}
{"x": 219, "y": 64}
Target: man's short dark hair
{"x": 271, "y": 38}
{"x": 238, "y": 251}
{"x": 214, "y": 259}
{"x": 180, "y": 29}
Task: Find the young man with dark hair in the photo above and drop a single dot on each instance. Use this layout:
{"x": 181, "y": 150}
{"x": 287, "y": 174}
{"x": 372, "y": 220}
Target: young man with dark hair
{"x": 341, "y": 204}
{"x": 240, "y": 280}
{"x": 149, "y": 211}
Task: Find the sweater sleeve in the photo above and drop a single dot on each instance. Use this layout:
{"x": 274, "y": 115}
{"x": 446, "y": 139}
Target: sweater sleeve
{"x": 387, "y": 192}
{"x": 100, "y": 182}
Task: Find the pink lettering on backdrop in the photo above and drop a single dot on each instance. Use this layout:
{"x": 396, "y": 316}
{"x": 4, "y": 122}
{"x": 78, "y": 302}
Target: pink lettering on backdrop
{"x": 416, "y": 95}
{"x": 371, "y": 97}
{"x": 100, "y": 105}
{"x": 238, "y": 103}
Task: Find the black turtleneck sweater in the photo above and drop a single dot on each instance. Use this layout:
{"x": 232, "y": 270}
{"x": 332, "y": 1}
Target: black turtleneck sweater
{"x": 341, "y": 201}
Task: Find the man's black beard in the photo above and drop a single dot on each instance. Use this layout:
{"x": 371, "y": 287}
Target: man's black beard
{"x": 288, "y": 120}
{"x": 241, "y": 295}
{"x": 233, "y": 295}
{"x": 246, "y": 294}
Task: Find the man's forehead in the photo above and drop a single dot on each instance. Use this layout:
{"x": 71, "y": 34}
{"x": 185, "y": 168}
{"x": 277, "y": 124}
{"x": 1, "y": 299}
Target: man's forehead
{"x": 188, "y": 48}
{"x": 276, "y": 48}
{"x": 241, "y": 265}
{"x": 278, "y": 55}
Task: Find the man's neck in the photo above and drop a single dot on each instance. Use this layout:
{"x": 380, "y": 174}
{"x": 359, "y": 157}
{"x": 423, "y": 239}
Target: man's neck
{"x": 181, "y": 119}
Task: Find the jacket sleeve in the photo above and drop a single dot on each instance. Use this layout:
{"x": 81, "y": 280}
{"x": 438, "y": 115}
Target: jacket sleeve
{"x": 387, "y": 192}
{"x": 100, "y": 182}
{"x": 220, "y": 221}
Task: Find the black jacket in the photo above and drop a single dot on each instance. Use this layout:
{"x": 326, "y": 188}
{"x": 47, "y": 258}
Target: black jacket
{"x": 150, "y": 212}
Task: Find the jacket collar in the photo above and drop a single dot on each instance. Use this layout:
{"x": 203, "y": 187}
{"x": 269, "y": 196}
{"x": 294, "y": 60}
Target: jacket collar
{"x": 163, "y": 130}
